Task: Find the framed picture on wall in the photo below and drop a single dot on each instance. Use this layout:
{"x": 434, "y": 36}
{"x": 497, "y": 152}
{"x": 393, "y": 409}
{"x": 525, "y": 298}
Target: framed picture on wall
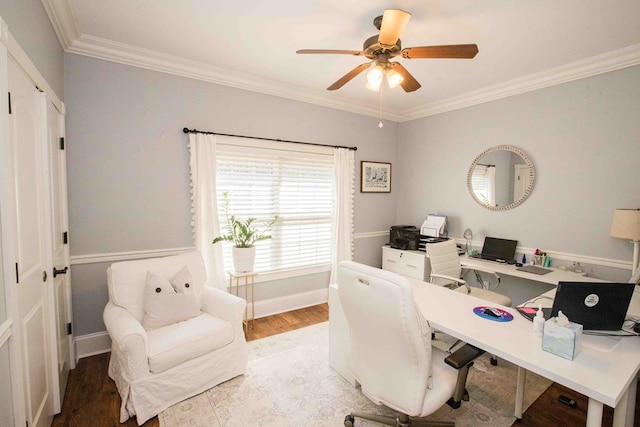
{"x": 375, "y": 177}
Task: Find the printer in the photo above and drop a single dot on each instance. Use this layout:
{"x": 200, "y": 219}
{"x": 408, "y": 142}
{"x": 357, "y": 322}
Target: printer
{"x": 405, "y": 237}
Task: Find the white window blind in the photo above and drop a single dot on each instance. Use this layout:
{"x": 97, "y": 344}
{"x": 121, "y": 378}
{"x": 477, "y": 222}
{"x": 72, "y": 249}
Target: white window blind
{"x": 483, "y": 183}
{"x": 298, "y": 187}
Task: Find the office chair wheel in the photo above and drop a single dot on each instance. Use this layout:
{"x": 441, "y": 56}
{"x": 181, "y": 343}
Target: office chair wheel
{"x": 494, "y": 361}
{"x": 348, "y": 421}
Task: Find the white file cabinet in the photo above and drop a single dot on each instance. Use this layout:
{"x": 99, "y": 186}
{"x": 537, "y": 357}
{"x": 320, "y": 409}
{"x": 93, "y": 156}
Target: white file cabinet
{"x": 408, "y": 263}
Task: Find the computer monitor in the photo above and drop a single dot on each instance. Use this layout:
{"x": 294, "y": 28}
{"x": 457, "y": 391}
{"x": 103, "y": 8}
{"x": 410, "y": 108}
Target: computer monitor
{"x": 499, "y": 249}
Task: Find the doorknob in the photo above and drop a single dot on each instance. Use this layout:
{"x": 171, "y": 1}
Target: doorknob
{"x": 56, "y": 271}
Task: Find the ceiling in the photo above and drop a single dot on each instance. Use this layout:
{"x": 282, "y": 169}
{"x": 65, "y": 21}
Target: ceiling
{"x": 250, "y": 44}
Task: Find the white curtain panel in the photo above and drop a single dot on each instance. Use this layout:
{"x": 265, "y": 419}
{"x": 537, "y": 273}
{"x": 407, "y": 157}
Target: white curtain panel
{"x": 342, "y": 239}
{"x": 204, "y": 205}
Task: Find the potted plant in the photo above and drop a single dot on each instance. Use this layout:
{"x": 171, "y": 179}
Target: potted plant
{"x": 244, "y": 234}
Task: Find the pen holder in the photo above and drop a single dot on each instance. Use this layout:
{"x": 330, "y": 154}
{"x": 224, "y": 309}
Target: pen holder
{"x": 538, "y": 260}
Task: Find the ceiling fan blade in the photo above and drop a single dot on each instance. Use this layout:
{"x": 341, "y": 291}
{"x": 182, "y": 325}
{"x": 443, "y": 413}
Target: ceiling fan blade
{"x": 393, "y": 22}
{"x": 330, "y": 51}
{"x": 351, "y": 74}
{"x": 409, "y": 84}
{"x": 461, "y": 51}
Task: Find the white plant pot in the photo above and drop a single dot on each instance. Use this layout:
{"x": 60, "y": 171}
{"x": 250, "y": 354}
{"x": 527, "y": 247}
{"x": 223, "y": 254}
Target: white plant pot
{"x": 243, "y": 259}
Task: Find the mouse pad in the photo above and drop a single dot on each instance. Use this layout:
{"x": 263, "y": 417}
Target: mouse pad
{"x": 505, "y": 316}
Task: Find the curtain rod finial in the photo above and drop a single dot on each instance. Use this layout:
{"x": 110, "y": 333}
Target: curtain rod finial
{"x": 185, "y": 130}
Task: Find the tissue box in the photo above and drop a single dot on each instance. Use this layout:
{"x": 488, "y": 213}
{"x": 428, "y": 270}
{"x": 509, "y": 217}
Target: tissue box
{"x": 563, "y": 341}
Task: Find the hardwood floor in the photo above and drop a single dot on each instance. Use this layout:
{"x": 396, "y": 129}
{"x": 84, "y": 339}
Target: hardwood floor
{"x": 91, "y": 397}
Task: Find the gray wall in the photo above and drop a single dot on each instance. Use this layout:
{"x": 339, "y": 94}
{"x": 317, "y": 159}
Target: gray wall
{"x": 128, "y": 170}
{"x": 29, "y": 24}
{"x": 584, "y": 140}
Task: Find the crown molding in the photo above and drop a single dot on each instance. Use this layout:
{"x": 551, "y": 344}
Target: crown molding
{"x": 72, "y": 40}
{"x": 109, "y": 50}
{"x": 64, "y": 21}
{"x": 610, "y": 61}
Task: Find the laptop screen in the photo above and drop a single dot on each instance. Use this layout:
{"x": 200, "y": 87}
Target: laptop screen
{"x": 597, "y": 306}
{"x": 499, "y": 248}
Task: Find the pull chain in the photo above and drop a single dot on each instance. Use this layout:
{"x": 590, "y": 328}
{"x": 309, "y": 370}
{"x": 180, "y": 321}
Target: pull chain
{"x": 380, "y": 124}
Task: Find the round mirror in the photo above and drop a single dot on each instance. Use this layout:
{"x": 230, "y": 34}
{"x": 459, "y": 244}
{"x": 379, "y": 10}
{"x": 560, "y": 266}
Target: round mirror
{"x": 500, "y": 178}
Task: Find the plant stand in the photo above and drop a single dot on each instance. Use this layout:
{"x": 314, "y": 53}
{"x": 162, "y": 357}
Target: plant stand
{"x": 249, "y": 280}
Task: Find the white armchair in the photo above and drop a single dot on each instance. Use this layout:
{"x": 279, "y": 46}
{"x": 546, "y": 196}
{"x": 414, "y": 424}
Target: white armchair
{"x": 157, "y": 365}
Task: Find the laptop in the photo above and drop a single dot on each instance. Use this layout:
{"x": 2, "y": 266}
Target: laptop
{"x": 597, "y": 306}
{"x": 499, "y": 250}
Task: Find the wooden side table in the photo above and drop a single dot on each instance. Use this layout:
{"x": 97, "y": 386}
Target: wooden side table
{"x": 249, "y": 280}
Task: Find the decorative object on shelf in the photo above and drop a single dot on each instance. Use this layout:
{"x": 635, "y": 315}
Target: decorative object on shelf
{"x": 375, "y": 177}
{"x": 626, "y": 225}
{"x": 501, "y": 178}
{"x": 244, "y": 234}
{"x": 468, "y": 235}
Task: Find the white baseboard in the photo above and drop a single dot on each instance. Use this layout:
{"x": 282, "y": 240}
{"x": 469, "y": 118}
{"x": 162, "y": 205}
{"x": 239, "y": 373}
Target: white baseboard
{"x": 291, "y": 302}
{"x": 99, "y": 342}
{"x": 92, "y": 344}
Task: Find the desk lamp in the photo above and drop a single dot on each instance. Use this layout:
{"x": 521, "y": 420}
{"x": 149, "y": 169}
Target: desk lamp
{"x": 626, "y": 225}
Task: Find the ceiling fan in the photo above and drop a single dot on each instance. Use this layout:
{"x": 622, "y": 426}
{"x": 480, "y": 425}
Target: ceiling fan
{"x": 380, "y": 48}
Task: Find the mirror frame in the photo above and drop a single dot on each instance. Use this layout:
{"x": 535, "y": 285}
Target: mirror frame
{"x": 527, "y": 191}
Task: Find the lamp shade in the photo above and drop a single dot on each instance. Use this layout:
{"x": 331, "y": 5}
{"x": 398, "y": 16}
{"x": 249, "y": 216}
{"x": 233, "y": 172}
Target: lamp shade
{"x": 626, "y": 224}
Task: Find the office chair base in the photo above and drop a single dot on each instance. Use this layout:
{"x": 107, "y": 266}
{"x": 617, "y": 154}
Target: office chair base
{"x": 455, "y": 404}
{"x": 402, "y": 420}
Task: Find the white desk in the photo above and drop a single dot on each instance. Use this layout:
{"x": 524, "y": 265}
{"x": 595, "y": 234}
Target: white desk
{"x": 605, "y": 373}
{"x": 552, "y": 278}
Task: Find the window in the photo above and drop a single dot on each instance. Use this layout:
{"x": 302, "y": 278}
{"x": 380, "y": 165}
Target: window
{"x": 483, "y": 182}
{"x": 297, "y": 186}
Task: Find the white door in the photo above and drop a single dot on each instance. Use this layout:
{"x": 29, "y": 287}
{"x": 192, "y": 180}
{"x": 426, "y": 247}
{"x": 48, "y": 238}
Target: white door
{"x": 61, "y": 290}
{"x": 30, "y": 246}
{"x": 521, "y": 181}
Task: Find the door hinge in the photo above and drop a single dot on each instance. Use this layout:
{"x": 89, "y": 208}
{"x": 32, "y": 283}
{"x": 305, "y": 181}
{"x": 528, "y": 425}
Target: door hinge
{"x": 17, "y": 274}
{"x": 9, "y": 93}
{"x": 62, "y": 142}
{"x": 69, "y": 329}
{"x": 65, "y": 238}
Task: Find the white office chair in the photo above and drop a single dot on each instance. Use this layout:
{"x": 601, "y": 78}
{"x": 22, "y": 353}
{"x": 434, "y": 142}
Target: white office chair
{"x": 390, "y": 351}
{"x": 446, "y": 270}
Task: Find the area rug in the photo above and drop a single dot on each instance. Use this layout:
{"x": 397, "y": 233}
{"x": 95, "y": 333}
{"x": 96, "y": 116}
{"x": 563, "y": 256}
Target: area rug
{"x": 289, "y": 383}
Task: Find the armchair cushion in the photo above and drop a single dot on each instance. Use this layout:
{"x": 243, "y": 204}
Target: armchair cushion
{"x": 164, "y": 306}
{"x": 178, "y": 342}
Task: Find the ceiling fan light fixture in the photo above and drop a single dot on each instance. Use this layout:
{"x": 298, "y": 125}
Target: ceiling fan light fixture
{"x": 374, "y": 78}
{"x": 394, "y": 78}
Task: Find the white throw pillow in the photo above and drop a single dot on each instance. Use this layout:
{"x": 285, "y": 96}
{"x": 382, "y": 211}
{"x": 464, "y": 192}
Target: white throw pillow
{"x": 164, "y": 306}
{"x": 182, "y": 281}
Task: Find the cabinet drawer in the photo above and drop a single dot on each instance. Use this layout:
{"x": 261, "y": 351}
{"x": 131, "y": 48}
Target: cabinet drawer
{"x": 404, "y": 262}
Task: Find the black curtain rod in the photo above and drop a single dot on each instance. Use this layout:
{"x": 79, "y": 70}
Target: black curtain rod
{"x": 187, "y": 130}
